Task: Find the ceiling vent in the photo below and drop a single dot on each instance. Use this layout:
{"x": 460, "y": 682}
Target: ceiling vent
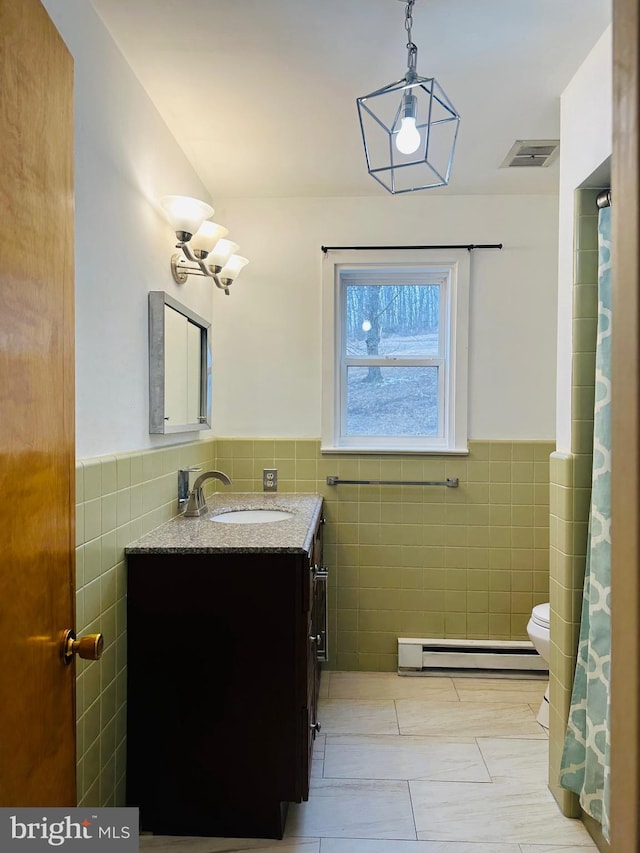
{"x": 531, "y": 152}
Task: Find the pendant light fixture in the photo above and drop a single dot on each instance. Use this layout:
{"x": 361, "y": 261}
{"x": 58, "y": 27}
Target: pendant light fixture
{"x": 409, "y": 128}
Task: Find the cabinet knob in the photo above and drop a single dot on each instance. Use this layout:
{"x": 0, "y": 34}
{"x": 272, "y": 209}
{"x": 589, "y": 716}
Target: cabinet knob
{"x": 315, "y": 727}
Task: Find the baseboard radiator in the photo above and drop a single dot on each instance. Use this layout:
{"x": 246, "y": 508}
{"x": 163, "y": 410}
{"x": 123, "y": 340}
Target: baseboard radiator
{"x": 504, "y": 658}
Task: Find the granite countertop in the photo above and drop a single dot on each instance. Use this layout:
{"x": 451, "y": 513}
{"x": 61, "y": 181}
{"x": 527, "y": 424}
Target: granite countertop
{"x": 203, "y": 536}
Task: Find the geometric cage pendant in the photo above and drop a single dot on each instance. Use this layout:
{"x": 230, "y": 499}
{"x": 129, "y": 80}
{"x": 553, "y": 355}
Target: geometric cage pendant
{"x": 436, "y": 120}
{"x": 409, "y": 128}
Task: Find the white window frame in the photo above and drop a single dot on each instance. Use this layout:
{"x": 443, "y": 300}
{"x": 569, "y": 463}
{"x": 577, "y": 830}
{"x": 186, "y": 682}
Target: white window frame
{"x": 448, "y": 268}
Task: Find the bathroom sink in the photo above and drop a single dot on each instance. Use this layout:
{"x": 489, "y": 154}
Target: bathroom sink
{"x": 252, "y": 516}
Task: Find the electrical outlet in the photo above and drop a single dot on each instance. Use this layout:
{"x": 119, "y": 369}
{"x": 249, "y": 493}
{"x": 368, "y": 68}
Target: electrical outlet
{"x": 270, "y": 480}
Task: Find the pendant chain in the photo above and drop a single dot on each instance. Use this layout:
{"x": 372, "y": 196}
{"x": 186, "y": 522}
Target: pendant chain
{"x": 412, "y": 49}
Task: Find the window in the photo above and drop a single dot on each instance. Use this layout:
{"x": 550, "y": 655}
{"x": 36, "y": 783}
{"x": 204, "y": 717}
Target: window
{"x": 395, "y": 352}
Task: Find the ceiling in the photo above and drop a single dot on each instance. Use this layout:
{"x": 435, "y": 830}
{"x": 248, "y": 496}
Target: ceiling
{"x": 260, "y": 94}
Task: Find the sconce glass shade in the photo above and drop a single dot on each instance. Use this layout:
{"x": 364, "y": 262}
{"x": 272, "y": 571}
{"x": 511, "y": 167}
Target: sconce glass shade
{"x": 221, "y": 253}
{"x": 231, "y": 270}
{"x": 208, "y": 235}
{"x": 399, "y": 166}
{"x": 202, "y": 247}
{"x": 185, "y": 214}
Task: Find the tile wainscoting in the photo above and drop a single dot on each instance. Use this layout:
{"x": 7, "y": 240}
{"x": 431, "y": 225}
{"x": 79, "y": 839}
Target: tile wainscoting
{"x": 428, "y": 561}
{"x": 415, "y": 561}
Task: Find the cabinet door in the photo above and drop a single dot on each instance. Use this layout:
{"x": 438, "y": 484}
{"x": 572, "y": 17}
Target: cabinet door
{"x": 217, "y": 702}
{"x": 311, "y": 687}
{"x": 313, "y": 638}
{"x": 320, "y": 614}
{"x": 320, "y": 597}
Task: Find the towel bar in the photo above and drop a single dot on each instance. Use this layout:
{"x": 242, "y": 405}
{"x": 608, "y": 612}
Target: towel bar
{"x": 450, "y": 482}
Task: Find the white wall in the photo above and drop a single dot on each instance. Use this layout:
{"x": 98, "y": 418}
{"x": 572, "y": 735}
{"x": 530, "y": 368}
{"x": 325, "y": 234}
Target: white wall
{"x": 268, "y": 335}
{"x": 126, "y": 159}
{"x": 586, "y": 139}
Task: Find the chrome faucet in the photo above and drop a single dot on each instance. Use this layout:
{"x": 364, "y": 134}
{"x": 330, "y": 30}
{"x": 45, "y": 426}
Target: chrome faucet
{"x": 183, "y": 484}
{"x": 197, "y": 505}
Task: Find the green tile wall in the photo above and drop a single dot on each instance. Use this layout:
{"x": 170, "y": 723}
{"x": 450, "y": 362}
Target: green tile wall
{"x": 418, "y": 561}
{"x": 119, "y": 498}
{"x": 404, "y": 561}
{"x": 565, "y": 594}
{"x": 570, "y": 493}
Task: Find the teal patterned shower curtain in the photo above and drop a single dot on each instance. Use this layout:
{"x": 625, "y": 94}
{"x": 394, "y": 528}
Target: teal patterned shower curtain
{"x": 585, "y": 760}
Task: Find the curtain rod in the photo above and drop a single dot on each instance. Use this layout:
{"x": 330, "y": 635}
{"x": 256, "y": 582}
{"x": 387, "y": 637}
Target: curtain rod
{"x": 468, "y": 246}
{"x": 604, "y": 199}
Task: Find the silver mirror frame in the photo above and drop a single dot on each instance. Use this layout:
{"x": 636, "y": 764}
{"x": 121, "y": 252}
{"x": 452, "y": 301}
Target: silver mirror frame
{"x": 158, "y": 422}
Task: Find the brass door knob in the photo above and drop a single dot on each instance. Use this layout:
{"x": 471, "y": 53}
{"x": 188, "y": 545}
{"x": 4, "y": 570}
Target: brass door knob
{"x": 88, "y": 647}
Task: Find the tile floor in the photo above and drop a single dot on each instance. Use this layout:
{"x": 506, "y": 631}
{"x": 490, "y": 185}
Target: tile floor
{"x": 420, "y": 765}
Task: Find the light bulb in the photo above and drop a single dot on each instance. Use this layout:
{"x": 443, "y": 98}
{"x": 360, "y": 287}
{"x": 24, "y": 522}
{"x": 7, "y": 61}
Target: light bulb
{"x": 408, "y": 137}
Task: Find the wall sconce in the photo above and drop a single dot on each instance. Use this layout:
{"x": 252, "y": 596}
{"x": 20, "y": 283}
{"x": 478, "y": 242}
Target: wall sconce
{"x": 202, "y": 244}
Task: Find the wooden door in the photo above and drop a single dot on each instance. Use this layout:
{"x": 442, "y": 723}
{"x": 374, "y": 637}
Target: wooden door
{"x": 625, "y": 459}
{"x": 37, "y": 479}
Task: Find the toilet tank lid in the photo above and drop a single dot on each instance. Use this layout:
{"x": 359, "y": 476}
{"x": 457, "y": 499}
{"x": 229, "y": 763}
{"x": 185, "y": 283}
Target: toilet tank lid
{"x": 541, "y": 614}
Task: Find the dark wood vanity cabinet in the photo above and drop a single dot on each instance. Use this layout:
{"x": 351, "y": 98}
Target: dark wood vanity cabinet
{"x": 223, "y": 679}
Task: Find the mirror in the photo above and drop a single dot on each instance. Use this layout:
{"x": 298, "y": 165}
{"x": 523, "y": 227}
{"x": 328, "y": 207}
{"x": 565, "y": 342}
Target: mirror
{"x": 179, "y": 367}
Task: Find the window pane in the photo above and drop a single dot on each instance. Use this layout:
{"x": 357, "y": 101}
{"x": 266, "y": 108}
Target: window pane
{"x": 393, "y": 320}
{"x": 392, "y": 401}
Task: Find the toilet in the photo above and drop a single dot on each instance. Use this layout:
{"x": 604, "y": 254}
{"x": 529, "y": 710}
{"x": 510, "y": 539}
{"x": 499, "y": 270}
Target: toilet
{"x": 538, "y": 630}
